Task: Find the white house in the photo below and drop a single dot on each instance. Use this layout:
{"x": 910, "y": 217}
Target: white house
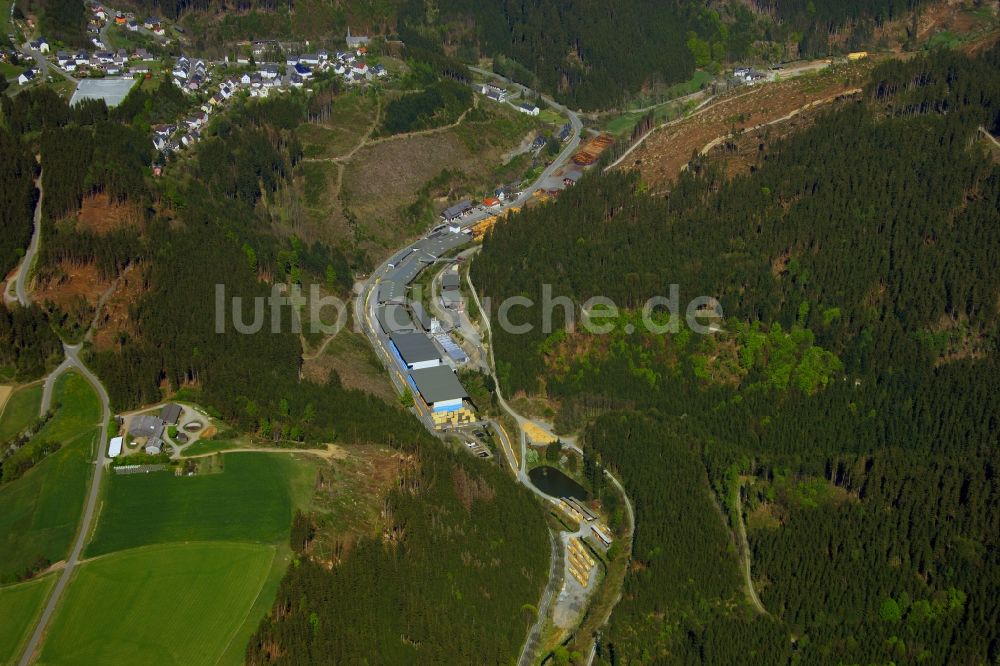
{"x": 27, "y": 76}
{"x": 268, "y": 71}
{"x": 530, "y": 109}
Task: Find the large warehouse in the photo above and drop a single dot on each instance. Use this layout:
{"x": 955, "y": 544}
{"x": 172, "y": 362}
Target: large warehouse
{"x": 414, "y": 350}
{"x": 439, "y": 388}
{"x": 393, "y": 318}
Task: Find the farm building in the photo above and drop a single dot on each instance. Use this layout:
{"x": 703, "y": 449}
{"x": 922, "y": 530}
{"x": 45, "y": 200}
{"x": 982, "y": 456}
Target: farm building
{"x": 414, "y": 350}
{"x": 439, "y": 388}
{"x": 171, "y": 414}
{"x": 150, "y": 427}
{"x": 115, "y": 447}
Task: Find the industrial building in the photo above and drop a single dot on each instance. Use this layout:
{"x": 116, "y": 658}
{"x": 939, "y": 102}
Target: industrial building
{"x": 439, "y": 388}
{"x": 414, "y": 350}
{"x": 461, "y": 209}
{"x": 392, "y": 317}
{"x": 420, "y": 316}
{"x": 455, "y": 353}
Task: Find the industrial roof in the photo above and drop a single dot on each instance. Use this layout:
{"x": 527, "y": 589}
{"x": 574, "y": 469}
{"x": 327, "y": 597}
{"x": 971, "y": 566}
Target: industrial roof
{"x": 408, "y": 270}
{"x": 450, "y": 280}
{"x": 414, "y": 347}
{"x": 438, "y": 384}
{"x": 456, "y": 353}
{"x": 171, "y": 413}
{"x": 146, "y": 425}
{"x": 391, "y": 291}
{"x": 420, "y": 315}
{"x": 393, "y": 317}
{"x": 437, "y": 244}
{"x": 111, "y": 90}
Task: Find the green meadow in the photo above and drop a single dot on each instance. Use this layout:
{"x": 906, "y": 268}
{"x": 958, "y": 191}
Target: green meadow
{"x": 40, "y": 511}
{"x": 165, "y": 604}
{"x": 19, "y": 412}
{"x": 20, "y": 606}
{"x": 251, "y": 498}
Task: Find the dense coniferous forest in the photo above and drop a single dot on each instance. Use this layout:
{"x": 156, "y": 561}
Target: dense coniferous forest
{"x": 447, "y": 581}
{"x": 65, "y": 20}
{"x": 850, "y": 396}
{"x": 27, "y": 342}
{"x": 17, "y": 199}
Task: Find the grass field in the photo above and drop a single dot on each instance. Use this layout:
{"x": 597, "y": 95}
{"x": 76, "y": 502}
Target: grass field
{"x": 350, "y": 117}
{"x": 203, "y": 446}
{"x": 251, "y": 500}
{"x": 167, "y": 604}
{"x": 20, "y": 411}
{"x": 20, "y": 605}
{"x": 39, "y": 512}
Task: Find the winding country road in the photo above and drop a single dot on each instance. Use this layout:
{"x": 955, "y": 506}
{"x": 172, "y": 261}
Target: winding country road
{"x": 83, "y": 532}
{"x": 24, "y": 269}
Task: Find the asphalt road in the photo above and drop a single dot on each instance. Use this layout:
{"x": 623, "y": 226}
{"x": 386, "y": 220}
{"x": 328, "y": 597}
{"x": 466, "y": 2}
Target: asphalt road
{"x": 72, "y": 361}
{"x": 24, "y": 270}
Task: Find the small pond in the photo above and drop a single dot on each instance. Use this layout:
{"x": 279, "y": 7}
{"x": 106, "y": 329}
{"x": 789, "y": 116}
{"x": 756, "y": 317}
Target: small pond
{"x": 553, "y": 482}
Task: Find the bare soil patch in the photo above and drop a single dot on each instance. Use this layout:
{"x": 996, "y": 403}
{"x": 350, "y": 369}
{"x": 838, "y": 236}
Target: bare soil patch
{"x": 115, "y": 318}
{"x": 70, "y": 285}
{"x": 99, "y": 215}
{"x": 668, "y": 150}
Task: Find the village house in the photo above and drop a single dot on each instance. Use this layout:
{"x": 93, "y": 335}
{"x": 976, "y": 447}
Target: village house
{"x": 496, "y": 93}
{"x": 269, "y": 71}
{"x": 528, "y": 108}
{"x": 355, "y": 42}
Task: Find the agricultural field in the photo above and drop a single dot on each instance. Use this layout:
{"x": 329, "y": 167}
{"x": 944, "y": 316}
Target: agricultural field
{"x": 20, "y": 605}
{"x": 251, "y": 498}
{"x": 20, "y": 410}
{"x": 39, "y": 512}
{"x": 165, "y": 604}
